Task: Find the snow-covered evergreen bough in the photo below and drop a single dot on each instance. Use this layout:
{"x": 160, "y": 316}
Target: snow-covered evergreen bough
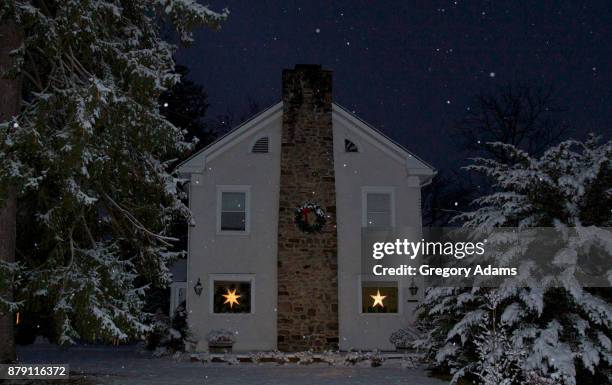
{"x": 534, "y": 334}
{"x": 89, "y": 153}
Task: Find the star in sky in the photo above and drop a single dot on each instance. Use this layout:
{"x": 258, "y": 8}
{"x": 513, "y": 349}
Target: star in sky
{"x": 378, "y": 299}
{"x": 413, "y": 58}
{"x": 231, "y": 298}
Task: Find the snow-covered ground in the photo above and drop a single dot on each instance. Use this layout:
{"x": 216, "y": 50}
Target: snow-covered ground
{"x": 128, "y": 365}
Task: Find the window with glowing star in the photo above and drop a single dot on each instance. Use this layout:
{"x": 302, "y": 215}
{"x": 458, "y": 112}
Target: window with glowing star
{"x": 379, "y": 297}
{"x": 232, "y": 297}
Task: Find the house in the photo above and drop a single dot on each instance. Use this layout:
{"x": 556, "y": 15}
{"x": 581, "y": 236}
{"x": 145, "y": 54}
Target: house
{"x": 278, "y": 205}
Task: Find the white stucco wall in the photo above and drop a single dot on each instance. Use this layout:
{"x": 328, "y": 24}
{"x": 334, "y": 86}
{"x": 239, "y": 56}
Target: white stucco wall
{"x": 255, "y": 254}
{"x": 370, "y": 167}
{"x": 252, "y": 254}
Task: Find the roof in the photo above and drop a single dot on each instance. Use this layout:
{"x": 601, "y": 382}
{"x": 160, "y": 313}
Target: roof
{"x": 257, "y": 121}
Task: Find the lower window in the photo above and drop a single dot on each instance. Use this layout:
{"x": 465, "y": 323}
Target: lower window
{"x": 379, "y": 297}
{"x": 232, "y": 297}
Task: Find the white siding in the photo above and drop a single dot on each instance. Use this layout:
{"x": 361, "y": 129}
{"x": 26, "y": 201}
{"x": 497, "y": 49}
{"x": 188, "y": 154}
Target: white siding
{"x": 253, "y": 253}
{"x": 368, "y": 169}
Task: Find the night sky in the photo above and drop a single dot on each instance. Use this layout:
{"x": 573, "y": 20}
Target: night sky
{"x": 412, "y": 68}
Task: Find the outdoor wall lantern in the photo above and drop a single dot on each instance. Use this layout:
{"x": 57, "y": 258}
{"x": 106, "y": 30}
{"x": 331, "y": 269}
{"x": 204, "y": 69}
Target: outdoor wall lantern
{"x": 413, "y": 289}
{"x": 198, "y": 287}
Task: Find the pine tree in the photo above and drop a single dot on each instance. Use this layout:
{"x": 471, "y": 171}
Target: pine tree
{"x": 89, "y": 154}
{"x": 560, "y": 331}
{"x": 10, "y": 88}
{"x": 185, "y": 106}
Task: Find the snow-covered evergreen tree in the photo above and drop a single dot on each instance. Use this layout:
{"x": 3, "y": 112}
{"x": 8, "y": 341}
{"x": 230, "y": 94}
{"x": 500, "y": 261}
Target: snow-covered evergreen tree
{"x": 89, "y": 154}
{"x": 553, "y": 333}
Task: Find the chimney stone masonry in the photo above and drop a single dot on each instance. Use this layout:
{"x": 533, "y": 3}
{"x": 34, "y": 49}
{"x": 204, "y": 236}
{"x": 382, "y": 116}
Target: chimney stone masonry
{"x": 307, "y": 313}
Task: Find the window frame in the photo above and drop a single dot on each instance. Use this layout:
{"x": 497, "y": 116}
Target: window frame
{"x": 400, "y": 298}
{"x": 247, "y": 209}
{"x": 250, "y": 278}
{"x": 377, "y": 190}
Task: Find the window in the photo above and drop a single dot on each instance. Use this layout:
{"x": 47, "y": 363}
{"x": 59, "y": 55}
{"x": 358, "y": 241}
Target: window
{"x": 378, "y": 207}
{"x": 231, "y": 296}
{"x": 349, "y": 146}
{"x": 261, "y": 146}
{"x": 379, "y": 297}
{"x": 233, "y": 209}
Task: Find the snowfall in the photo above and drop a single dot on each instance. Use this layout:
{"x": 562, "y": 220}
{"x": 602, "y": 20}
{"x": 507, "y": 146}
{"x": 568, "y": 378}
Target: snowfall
{"x": 131, "y": 365}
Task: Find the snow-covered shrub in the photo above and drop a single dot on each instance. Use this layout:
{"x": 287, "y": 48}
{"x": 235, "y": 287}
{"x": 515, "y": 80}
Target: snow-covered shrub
{"x": 499, "y": 360}
{"x": 352, "y": 358}
{"x": 168, "y": 335}
{"x": 376, "y": 359}
{"x": 158, "y": 329}
{"x": 179, "y": 332}
{"x": 404, "y": 338}
{"x": 515, "y": 334}
{"x": 220, "y": 337}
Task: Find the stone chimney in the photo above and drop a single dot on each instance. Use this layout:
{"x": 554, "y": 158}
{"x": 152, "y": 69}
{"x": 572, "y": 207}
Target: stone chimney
{"x": 307, "y": 315}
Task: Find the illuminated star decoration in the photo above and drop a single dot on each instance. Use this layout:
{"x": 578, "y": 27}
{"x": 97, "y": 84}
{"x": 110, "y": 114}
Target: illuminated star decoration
{"x": 378, "y": 299}
{"x": 231, "y": 298}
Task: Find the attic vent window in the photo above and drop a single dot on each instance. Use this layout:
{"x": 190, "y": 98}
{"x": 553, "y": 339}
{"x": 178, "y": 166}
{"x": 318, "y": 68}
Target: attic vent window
{"x": 261, "y": 146}
{"x": 350, "y": 146}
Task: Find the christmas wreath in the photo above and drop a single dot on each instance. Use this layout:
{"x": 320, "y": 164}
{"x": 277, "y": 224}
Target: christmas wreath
{"x": 310, "y": 218}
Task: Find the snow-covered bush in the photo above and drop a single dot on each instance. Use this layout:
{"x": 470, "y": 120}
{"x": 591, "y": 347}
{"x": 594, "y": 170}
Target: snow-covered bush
{"x": 158, "y": 329}
{"x": 515, "y": 334}
{"x": 352, "y": 358}
{"x": 376, "y": 359}
{"x": 168, "y": 335}
{"x": 404, "y": 338}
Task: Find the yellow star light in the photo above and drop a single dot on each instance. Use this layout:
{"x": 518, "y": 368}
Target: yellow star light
{"x": 378, "y": 299}
{"x": 231, "y": 298}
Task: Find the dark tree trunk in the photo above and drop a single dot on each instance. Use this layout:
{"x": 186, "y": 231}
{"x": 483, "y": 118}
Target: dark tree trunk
{"x": 10, "y": 97}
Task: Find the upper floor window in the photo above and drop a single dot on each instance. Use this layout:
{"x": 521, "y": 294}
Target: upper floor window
{"x": 349, "y": 146}
{"x": 261, "y": 146}
{"x": 233, "y": 209}
{"x": 378, "y": 207}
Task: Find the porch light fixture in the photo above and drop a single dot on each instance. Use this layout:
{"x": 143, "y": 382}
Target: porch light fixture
{"x": 413, "y": 289}
{"x": 198, "y": 287}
